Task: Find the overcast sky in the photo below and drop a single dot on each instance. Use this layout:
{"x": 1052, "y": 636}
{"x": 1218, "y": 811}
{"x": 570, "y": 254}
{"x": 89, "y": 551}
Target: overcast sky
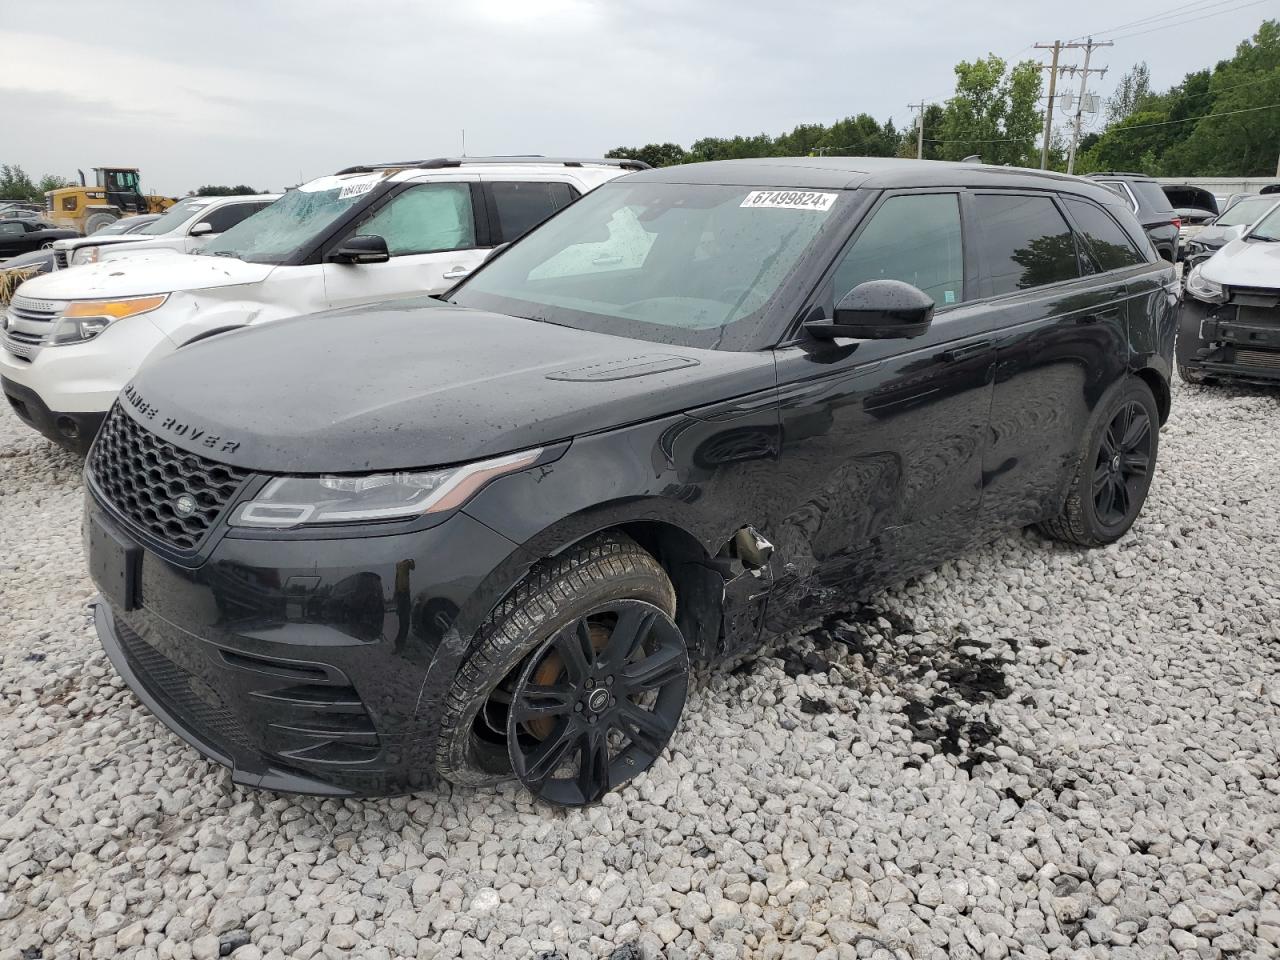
{"x": 270, "y": 92}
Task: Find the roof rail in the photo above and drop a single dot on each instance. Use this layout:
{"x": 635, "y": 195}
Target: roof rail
{"x": 1117, "y": 173}
{"x": 438, "y": 163}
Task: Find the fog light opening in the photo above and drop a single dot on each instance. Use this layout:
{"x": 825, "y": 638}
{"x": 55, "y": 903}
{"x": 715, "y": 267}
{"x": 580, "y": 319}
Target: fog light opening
{"x": 68, "y": 428}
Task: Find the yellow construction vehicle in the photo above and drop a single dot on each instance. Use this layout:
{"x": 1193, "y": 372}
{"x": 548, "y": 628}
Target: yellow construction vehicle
{"x": 117, "y": 193}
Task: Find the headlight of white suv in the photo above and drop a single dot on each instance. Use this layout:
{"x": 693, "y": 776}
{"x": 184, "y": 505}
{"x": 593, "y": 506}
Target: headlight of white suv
{"x": 288, "y": 502}
{"x": 84, "y": 255}
{"x": 1202, "y": 288}
{"x": 83, "y": 320}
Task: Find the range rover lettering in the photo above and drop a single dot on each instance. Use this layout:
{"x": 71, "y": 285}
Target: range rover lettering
{"x": 484, "y": 536}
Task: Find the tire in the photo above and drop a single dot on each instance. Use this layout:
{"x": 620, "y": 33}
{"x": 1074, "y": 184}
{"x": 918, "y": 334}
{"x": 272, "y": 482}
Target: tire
{"x": 96, "y": 221}
{"x": 555, "y": 593}
{"x": 1088, "y": 518}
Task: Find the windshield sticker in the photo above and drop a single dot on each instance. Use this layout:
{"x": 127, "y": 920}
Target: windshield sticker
{"x": 789, "y": 200}
{"x": 349, "y": 186}
{"x": 356, "y": 188}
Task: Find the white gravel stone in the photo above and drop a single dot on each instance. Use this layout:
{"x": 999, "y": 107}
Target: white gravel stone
{"x": 1034, "y": 751}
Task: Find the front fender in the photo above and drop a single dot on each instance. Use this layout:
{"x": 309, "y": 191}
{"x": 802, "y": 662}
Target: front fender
{"x": 699, "y": 476}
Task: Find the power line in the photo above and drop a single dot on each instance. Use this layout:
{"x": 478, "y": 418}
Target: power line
{"x": 1205, "y": 16}
{"x": 1207, "y": 116}
{"x": 1152, "y": 18}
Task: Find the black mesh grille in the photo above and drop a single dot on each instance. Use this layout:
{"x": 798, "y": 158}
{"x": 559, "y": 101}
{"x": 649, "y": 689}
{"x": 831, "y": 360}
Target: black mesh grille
{"x": 182, "y": 693}
{"x": 145, "y": 478}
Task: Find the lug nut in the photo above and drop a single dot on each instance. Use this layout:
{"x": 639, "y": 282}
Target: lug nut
{"x": 577, "y": 708}
{"x": 608, "y": 681}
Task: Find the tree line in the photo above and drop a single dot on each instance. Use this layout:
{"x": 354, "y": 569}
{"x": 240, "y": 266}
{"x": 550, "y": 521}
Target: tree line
{"x": 15, "y": 184}
{"x": 1218, "y": 121}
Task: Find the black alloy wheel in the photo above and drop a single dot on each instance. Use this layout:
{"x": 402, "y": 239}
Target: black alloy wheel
{"x": 597, "y": 702}
{"x": 1121, "y": 472}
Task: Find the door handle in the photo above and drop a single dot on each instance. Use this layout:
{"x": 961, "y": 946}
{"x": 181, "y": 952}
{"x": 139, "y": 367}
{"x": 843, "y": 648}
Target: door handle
{"x": 455, "y": 273}
{"x": 1099, "y": 317}
{"x": 956, "y": 354}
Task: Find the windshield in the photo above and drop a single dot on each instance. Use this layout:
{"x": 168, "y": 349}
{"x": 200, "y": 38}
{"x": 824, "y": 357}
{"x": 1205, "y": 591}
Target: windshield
{"x": 275, "y": 233}
{"x": 1268, "y": 228}
{"x": 667, "y": 262}
{"x": 173, "y": 218}
{"x": 1245, "y": 211}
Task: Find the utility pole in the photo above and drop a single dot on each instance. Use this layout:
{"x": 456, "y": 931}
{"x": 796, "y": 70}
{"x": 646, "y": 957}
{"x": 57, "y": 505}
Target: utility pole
{"x": 1088, "y": 46}
{"x": 1056, "y": 47}
{"x": 919, "y": 128}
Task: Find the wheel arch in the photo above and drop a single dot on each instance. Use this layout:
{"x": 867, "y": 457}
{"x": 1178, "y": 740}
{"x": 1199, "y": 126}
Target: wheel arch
{"x": 1160, "y": 388}
{"x": 699, "y": 564}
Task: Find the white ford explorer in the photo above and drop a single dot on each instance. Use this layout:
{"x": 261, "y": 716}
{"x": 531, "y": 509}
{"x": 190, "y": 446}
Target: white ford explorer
{"x": 74, "y": 338}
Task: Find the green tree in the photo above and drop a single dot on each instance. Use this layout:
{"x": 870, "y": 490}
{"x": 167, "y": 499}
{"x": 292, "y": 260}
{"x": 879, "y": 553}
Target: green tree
{"x": 654, "y": 154}
{"x": 51, "y": 181}
{"x": 15, "y": 184}
{"x": 209, "y": 190}
{"x": 1134, "y": 88}
{"x": 993, "y": 114}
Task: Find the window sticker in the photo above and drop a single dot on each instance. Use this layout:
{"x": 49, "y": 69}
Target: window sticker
{"x": 948, "y": 296}
{"x": 789, "y": 200}
{"x": 356, "y": 188}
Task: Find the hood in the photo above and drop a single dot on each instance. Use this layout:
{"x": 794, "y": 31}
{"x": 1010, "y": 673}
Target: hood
{"x": 409, "y": 384}
{"x": 96, "y": 240}
{"x": 1245, "y": 263}
{"x": 1213, "y": 236}
{"x": 143, "y": 274}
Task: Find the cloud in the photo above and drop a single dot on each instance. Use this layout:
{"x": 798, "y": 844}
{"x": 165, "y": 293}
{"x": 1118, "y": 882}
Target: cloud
{"x": 262, "y": 93}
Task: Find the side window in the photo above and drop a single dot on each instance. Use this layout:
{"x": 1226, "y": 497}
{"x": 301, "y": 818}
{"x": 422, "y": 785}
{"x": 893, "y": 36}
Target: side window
{"x": 915, "y": 239}
{"x": 226, "y": 217}
{"x": 427, "y": 218}
{"x": 522, "y": 205}
{"x": 1109, "y": 246}
{"x": 1116, "y": 187}
{"x": 1025, "y": 242}
{"x": 13, "y": 228}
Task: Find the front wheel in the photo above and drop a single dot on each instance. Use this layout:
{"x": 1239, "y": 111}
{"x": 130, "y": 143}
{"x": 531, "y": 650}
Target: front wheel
{"x": 526, "y": 651}
{"x": 1114, "y": 471}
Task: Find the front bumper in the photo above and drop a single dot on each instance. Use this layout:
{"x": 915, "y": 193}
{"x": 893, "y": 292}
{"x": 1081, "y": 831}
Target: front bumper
{"x": 1230, "y": 340}
{"x": 309, "y": 666}
{"x": 86, "y": 377}
{"x": 73, "y": 431}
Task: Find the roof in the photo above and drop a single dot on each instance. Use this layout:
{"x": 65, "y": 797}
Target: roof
{"x": 846, "y": 173}
{"x": 439, "y": 163}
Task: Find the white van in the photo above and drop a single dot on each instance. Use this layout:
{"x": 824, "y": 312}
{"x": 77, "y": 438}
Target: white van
{"x": 74, "y": 338}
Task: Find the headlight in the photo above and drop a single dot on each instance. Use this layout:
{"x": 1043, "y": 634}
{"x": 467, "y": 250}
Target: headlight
{"x": 1202, "y": 288}
{"x": 84, "y": 255}
{"x": 85, "y": 319}
{"x": 288, "y": 502}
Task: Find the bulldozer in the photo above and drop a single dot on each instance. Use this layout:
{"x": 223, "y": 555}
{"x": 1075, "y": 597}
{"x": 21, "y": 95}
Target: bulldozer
{"x": 117, "y": 193}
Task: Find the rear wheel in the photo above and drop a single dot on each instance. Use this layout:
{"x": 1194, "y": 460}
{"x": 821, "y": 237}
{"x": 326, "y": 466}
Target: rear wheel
{"x": 589, "y": 585}
{"x": 1114, "y": 470}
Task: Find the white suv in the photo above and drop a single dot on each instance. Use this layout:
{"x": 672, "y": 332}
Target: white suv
{"x": 74, "y": 338}
{"x": 185, "y": 227}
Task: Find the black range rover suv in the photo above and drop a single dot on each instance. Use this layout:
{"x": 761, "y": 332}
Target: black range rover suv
{"x": 485, "y": 536}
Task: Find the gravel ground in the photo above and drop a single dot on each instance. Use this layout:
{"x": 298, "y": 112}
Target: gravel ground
{"x": 1035, "y": 751}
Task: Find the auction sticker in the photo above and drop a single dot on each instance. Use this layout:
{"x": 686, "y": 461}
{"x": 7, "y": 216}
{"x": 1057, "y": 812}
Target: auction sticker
{"x": 789, "y": 199}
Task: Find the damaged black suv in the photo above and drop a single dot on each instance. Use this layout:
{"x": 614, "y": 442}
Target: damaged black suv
{"x": 484, "y": 536}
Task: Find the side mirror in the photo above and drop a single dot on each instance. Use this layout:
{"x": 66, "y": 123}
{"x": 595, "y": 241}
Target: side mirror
{"x": 496, "y": 250}
{"x": 1236, "y": 232}
{"x": 201, "y": 229}
{"x": 363, "y": 248}
{"x": 877, "y": 310}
